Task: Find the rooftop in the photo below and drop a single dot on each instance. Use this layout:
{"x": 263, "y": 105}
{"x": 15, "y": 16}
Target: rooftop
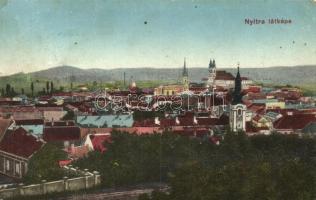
{"x": 295, "y": 121}
{"x": 61, "y": 133}
{"x": 20, "y": 143}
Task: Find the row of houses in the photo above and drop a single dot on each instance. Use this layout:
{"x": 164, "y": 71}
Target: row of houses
{"x": 27, "y": 128}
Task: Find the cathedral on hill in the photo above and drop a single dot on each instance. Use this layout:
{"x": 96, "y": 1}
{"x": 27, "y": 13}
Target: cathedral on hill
{"x": 222, "y": 78}
{"x": 216, "y": 80}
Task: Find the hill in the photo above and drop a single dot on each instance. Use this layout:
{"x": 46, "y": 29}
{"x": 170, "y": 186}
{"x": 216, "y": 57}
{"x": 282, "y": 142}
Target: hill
{"x": 273, "y": 75}
{"x": 63, "y": 75}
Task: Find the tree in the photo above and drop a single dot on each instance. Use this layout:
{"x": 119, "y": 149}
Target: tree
{"x": 12, "y": 93}
{"x": 51, "y": 87}
{"x": 8, "y": 89}
{"x": 32, "y": 88}
{"x": 94, "y": 84}
{"x": 22, "y": 91}
{"x": 43, "y": 165}
{"x": 72, "y": 79}
{"x": 144, "y": 197}
{"x": 47, "y": 87}
{"x": 258, "y": 167}
{"x": 70, "y": 115}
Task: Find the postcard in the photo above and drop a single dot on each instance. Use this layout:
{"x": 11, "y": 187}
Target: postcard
{"x": 158, "y": 99}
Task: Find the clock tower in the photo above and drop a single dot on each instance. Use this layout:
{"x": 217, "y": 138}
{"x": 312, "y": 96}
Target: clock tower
{"x": 237, "y": 116}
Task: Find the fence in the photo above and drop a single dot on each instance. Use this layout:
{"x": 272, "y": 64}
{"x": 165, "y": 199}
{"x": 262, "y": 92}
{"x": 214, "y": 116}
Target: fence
{"x": 84, "y": 181}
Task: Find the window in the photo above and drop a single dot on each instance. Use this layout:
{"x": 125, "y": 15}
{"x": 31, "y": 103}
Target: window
{"x": 7, "y": 165}
{"x": 239, "y": 112}
{"x": 17, "y": 168}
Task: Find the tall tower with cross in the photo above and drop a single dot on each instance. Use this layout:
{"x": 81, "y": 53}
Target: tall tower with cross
{"x": 237, "y": 116}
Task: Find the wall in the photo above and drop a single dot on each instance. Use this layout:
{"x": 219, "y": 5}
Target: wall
{"x": 84, "y": 181}
{"x": 12, "y": 165}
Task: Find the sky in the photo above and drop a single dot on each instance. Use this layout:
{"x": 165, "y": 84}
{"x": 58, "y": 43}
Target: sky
{"x": 39, "y": 34}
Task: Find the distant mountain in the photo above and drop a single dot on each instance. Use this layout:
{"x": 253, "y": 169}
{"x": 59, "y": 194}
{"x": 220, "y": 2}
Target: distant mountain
{"x": 276, "y": 75}
{"x": 295, "y": 75}
{"x": 71, "y": 74}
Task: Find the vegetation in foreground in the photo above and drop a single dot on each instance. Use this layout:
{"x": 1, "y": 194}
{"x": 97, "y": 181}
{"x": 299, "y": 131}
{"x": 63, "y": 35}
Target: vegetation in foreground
{"x": 258, "y": 167}
{"x": 44, "y": 165}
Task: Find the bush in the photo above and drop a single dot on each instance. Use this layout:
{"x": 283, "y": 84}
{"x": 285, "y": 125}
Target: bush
{"x": 43, "y": 165}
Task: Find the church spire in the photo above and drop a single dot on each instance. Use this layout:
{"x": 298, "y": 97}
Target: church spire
{"x": 238, "y": 73}
{"x": 185, "y": 70}
{"x": 237, "y": 92}
{"x": 212, "y": 64}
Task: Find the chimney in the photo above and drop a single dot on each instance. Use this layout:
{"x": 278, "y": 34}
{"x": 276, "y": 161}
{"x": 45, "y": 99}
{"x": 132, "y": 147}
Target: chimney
{"x": 194, "y": 120}
{"x": 177, "y": 121}
{"x": 157, "y": 121}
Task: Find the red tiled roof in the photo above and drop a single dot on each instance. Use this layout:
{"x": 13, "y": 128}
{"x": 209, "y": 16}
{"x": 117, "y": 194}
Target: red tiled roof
{"x": 145, "y": 123}
{"x": 186, "y": 121}
{"x": 4, "y": 124}
{"x": 167, "y": 122}
{"x": 78, "y": 151}
{"x": 188, "y": 114}
{"x": 19, "y": 143}
{"x": 197, "y": 89}
{"x": 295, "y": 121}
{"x": 64, "y": 162}
{"x": 254, "y": 89}
{"x": 223, "y": 75}
{"x": 98, "y": 142}
{"x": 29, "y": 121}
{"x": 207, "y": 121}
{"x": 257, "y": 108}
{"x": 63, "y": 133}
{"x": 253, "y": 95}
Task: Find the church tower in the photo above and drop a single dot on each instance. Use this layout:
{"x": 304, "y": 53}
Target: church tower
{"x": 211, "y": 74}
{"x": 185, "y": 77}
{"x": 237, "y": 114}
